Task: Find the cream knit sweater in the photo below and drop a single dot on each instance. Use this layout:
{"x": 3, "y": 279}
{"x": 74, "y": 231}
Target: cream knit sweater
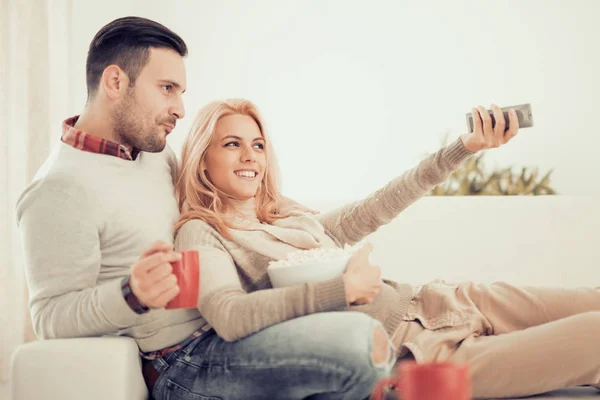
{"x": 236, "y": 297}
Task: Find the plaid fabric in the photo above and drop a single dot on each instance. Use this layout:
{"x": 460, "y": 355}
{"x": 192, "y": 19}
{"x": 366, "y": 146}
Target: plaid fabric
{"x": 87, "y": 142}
{"x": 151, "y": 355}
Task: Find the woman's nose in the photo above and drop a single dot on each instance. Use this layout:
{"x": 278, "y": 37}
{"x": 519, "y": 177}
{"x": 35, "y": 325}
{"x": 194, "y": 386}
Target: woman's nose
{"x": 248, "y": 155}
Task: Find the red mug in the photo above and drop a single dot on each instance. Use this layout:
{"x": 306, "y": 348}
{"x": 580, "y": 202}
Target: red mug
{"x": 428, "y": 381}
{"x": 187, "y": 272}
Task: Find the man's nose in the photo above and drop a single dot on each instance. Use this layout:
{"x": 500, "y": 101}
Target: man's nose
{"x": 178, "y": 109}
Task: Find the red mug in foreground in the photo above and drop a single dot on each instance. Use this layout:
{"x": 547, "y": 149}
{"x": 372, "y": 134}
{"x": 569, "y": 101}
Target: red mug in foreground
{"x": 428, "y": 381}
{"x": 187, "y": 272}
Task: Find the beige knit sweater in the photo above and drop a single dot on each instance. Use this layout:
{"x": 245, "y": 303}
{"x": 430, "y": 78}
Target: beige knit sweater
{"x": 236, "y": 296}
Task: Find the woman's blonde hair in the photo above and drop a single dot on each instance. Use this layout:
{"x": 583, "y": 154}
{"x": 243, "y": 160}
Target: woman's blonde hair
{"x": 197, "y": 197}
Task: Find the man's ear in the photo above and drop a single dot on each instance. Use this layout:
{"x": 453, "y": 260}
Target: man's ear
{"x": 114, "y": 81}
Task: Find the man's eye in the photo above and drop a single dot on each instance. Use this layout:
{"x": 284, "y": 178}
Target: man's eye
{"x": 167, "y": 88}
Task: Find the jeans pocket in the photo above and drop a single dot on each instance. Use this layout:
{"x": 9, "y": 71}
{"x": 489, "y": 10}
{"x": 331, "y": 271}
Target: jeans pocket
{"x": 201, "y": 343}
{"x": 174, "y": 391}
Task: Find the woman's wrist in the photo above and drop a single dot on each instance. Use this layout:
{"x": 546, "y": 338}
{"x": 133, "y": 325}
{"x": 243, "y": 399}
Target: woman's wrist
{"x": 349, "y": 289}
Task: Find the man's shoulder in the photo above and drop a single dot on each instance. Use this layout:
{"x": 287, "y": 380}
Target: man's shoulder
{"x": 57, "y": 189}
{"x": 58, "y": 180}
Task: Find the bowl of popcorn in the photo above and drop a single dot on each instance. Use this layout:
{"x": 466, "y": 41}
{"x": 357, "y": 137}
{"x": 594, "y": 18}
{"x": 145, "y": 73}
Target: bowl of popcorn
{"x": 309, "y": 266}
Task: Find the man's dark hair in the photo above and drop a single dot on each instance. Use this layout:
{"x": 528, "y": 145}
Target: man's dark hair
{"x": 126, "y": 42}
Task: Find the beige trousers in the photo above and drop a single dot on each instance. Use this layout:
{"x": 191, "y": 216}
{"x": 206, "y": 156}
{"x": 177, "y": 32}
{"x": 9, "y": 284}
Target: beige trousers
{"x": 517, "y": 341}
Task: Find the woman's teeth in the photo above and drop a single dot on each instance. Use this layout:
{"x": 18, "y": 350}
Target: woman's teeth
{"x": 246, "y": 174}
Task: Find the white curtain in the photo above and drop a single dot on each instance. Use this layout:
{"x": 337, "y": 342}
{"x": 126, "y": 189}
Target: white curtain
{"x": 34, "y": 72}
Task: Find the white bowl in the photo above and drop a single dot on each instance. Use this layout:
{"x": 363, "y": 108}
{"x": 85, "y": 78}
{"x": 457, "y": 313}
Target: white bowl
{"x": 309, "y": 271}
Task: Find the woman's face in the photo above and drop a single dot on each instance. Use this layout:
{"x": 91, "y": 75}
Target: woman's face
{"x": 236, "y": 159}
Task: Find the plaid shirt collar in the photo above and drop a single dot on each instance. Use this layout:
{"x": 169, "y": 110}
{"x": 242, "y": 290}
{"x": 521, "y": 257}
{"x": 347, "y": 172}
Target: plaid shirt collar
{"x": 87, "y": 142}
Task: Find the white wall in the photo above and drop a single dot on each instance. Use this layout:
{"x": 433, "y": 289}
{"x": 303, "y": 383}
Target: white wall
{"x": 355, "y": 92}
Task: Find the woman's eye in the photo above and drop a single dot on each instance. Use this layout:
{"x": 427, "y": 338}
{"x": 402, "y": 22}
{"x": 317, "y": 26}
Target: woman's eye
{"x": 260, "y": 146}
{"x": 231, "y": 143}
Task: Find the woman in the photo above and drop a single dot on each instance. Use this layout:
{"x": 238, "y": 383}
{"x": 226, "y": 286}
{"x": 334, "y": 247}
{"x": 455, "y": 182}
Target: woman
{"x": 228, "y": 195}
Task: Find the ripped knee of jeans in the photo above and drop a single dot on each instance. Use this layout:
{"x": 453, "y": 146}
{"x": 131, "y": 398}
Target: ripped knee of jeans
{"x": 382, "y": 354}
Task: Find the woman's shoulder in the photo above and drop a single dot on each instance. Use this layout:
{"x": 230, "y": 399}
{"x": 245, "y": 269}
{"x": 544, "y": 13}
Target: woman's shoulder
{"x": 198, "y": 232}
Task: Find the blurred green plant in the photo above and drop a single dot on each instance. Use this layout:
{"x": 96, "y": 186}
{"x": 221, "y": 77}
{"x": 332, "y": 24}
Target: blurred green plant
{"x": 471, "y": 179}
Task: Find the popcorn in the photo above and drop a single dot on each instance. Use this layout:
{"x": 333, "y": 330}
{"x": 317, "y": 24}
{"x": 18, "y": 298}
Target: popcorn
{"x": 299, "y": 257}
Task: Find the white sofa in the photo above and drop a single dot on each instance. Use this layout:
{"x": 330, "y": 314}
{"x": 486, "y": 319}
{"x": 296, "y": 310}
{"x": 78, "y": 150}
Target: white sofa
{"x": 524, "y": 240}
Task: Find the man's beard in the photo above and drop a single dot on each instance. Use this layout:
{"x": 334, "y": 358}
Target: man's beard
{"x": 131, "y": 127}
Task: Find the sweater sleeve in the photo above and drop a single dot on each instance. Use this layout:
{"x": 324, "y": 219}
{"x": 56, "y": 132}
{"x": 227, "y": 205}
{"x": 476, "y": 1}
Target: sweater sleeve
{"x": 234, "y": 313}
{"x": 352, "y": 222}
{"x": 62, "y": 261}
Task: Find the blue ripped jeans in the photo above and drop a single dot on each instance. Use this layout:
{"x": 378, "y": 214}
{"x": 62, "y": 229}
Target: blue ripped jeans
{"x": 319, "y": 356}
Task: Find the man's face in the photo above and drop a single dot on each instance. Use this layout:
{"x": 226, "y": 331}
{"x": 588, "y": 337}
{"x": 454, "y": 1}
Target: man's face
{"x": 149, "y": 111}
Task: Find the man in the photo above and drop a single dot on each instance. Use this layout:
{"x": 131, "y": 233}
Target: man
{"x": 107, "y": 195}
{"x": 97, "y": 221}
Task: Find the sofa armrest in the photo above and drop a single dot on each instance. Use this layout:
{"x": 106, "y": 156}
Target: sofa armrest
{"x": 85, "y": 368}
